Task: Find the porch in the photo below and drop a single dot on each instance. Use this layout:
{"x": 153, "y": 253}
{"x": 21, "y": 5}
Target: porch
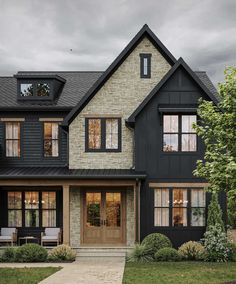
{"x": 92, "y": 211}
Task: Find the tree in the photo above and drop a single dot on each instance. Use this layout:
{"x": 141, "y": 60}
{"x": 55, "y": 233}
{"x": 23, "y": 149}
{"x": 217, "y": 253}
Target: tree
{"x": 218, "y": 131}
{"x": 214, "y": 213}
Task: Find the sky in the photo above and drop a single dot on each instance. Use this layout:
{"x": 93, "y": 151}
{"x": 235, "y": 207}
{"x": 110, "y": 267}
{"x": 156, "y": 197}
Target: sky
{"x": 89, "y": 34}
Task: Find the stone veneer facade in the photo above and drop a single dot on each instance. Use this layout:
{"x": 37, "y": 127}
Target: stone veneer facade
{"x": 119, "y": 96}
{"x": 75, "y": 217}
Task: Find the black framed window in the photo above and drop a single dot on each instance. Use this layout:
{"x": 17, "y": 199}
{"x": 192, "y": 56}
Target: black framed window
{"x": 145, "y": 65}
{"x": 178, "y": 133}
{"x": 14, "y": 208}
{"x": 179, "y": 207}
{"x": 12, "y": 139}
{"x": 51, "y": 139}
{"x": 34, "y": 89}
{"x": 103, "y": 134}
{"x": 32, "y": 209}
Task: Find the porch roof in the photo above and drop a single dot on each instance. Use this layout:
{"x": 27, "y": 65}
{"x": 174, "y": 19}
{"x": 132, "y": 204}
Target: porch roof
{"x": 55, "y": 173}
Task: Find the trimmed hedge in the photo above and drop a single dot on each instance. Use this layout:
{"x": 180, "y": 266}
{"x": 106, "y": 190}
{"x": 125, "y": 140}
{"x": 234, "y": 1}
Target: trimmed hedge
{"x": 156, "y": 241}
{"x": 167, "y": 254}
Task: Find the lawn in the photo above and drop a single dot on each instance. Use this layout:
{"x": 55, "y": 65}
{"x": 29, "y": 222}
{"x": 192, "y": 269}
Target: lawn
{"x": 25, "y": 275}
{"x": 179, "y": 273}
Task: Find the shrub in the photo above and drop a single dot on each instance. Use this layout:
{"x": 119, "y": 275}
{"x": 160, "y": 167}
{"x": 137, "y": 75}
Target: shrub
{"x": 215, "y": 242}
{"x": 8, "y": 255}
{"x": 192, "y": 251}
{"x": 31, "y": 253}
{"x": 140, "y": 253}
{"x": 215, "y": 213}
{"x": 167, "y": 254}
{"x": 232, "y": 251}
{"x": 62, "y": 253}
{"x": 156, "y": 241}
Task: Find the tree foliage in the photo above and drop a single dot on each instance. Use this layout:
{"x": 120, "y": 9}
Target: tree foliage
{"x": 215, "y": 213}
{"x": 218, "y": 131}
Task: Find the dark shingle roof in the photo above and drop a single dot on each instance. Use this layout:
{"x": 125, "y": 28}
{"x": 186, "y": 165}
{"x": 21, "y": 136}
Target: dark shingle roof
{"x": 65, "y": 173}
{"x": 77, "y": 84}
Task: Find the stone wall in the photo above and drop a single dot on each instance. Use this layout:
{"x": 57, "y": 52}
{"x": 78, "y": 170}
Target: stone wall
{"x": 75, "y": 216}
{"x": 119, "y": 96}
{"x": 130, "y": 218}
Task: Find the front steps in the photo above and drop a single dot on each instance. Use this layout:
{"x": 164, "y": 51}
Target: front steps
{"x": 88, "y": 251}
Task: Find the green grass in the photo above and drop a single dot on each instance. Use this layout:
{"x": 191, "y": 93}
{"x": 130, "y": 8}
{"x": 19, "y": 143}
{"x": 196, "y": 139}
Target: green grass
{"x": 25, "y": 275}
{"x": 179, "y": 273}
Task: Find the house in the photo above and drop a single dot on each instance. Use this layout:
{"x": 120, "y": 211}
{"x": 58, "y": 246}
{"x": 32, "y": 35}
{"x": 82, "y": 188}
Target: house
{"x": 106, "y": 156}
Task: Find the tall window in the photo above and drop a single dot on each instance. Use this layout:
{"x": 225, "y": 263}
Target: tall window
{"x": 31, "y": 209}
{"x": 145, "y": 65}
{"x": 12, "y": 139}
{"x": 51, "y": 138}
{"x": 198, "y": 207}
{"x": 178, "y": 133}
{"x": 186, "y": 207}
{"x": 14, "y": 204}
{"x": 49, "y": 209}
{"x": 103, "y": 134}
{"x": 161, "y": 210}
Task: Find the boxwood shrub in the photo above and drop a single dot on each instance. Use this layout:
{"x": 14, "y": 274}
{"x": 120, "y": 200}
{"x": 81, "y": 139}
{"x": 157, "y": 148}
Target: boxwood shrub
{"x": 156, "y": 241}
{"x": 167, "y": 254}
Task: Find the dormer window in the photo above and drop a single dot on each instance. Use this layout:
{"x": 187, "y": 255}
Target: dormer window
{"x": 34, "y": 86}
{"x": 145, "y": 65}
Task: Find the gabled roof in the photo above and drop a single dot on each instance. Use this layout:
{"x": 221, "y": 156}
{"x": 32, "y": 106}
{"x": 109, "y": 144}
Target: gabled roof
{"x": 144, "y": 32}
{"x": 195, "y": 77}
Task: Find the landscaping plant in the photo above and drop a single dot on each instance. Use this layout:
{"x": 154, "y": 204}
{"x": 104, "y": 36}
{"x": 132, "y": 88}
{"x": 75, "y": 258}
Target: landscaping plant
{"x": 140, "y": 253}
{"x": 192, "y": 251}
{"x": 31, "y": 253}
{"x": 167, "y": 254}
{"x": 62, "y": 253}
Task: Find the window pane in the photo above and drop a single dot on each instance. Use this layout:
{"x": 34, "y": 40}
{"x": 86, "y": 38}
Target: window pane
{"x": 189, "y": 142}
{"x": 43, "y": 90}
{"x": 31, "y": 200}
{"x": 113, "y": 209}
{"x": 170, "y": 142}
{"x": 161, "y": 217}
{"x": 49, "y": 218}
{"x": 93, "y": 204}
{"x": 26, "y": 90}
{"x": 198, "y": 217}
{"x": 94, "y": 133}
{"x": 198, "y": 198}
{"x": 12, "y": 139}
{"x": 179, "y": 217}
{"x": 31, "y": 218}
{"x": 179, "y": 198}
{"x": 161, "y": 197}
{"x": 145, "y": 66}
{"x": 51, "y": 139}
{"x": 170, "y": 124}
{"x": 49, "y": 200}
{"x": 14, "y": 200}
{"x": 187, "y": 123}
{"x": 47, "y": 130}
{"x": 112, "y": 133}
{"x": 14, "y": 218}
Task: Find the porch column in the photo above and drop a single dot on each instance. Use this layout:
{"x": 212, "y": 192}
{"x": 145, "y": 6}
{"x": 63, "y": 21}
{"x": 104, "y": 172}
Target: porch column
{"x": 66, "y": 214}
{"x": 137, "y": 211}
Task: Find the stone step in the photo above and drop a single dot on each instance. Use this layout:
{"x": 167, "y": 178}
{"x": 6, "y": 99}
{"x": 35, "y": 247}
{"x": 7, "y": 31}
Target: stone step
{"x": 102, "y": 251}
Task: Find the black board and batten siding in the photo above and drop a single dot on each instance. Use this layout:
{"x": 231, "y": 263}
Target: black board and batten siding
{"x": 182, "y": 92}
{"x": 32, "y": 142}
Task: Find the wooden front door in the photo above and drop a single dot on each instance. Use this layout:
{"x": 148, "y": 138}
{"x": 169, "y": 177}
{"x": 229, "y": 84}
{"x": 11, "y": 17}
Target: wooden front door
{"x": 103, "y": 217}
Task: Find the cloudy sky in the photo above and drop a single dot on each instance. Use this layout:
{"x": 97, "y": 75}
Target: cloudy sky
{"x": 89, "y": 34}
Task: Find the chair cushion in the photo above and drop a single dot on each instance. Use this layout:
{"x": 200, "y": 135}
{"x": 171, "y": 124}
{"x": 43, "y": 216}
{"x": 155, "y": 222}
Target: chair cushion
{"x": 49, "y": 238}
{"x": 5, "y": 238}
{"x": 7, "y": 231}
{"x": 52, "y": 232}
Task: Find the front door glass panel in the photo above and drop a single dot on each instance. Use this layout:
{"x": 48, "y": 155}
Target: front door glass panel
{"x": 113, "y": 209}
{"x": 93, "y": 204}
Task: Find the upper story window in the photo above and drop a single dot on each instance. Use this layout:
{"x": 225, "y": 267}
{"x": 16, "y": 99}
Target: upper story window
{"x": 35, "y": 89}
{"x": 103, "y": 134}
{"x": 178, "y": 133}
{"x": 51, "y": 139}
{"x": 179, "y": 207}
{"x": 12, "y": 139}
{"x": 145, "y": 65}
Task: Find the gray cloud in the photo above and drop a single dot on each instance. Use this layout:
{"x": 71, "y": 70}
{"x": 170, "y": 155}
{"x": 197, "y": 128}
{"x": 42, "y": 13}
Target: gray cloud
{"x": 38, "y": 35}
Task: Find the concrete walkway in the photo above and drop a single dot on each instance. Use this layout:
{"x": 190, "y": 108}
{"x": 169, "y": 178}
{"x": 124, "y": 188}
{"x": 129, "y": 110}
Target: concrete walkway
{"x": 90, "y": 270}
